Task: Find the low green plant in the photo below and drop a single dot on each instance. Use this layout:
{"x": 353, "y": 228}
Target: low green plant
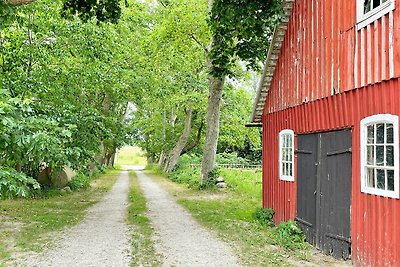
{"x": 264, "y": 216}
{"x": 289, "y": 235}
{"x": 79, "y": 182}
{"x": 15, "y": 184}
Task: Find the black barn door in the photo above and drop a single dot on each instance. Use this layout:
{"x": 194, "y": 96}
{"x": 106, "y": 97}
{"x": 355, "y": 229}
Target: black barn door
{"x": 327, "y": 171}
{"x": 307, "y": 184}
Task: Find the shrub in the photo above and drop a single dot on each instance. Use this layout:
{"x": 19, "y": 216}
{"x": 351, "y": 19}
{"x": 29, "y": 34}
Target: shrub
{"x": 289, "y": 235}
{"x": 264, "y": 216}
{"x": 15, "y": 184}
{"x": 230, "y": 158}
{"x": 79, "y": 182}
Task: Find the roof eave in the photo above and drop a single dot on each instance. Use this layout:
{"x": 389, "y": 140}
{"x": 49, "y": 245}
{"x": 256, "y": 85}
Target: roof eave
{"x": 270, "y": 63}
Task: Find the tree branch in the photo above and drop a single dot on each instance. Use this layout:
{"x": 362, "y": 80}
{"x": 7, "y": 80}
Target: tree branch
{"x": 196, "y": 141}
{"x": 193, "y": 37}
{"x": 18, "y": 2}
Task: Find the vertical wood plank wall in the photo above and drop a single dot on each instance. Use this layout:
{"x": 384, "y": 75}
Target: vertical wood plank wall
{"x": 324, "y": 54}
{"x": 374, "y": 219}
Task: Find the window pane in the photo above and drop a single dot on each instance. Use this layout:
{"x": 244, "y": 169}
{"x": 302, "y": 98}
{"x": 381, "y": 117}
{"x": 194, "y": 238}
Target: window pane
{"x": 286, "y": 169}
{"x": 389, "y": 156}
{"x": 380, "y": 133}
{"x": 283, "y": 154}
{"x": 380, "y": 179}
{"x": 290, "y": 169}
{"x": 376, "y": 3}
{"x": 390, "y": 178}
{"x": 289, "y": 140}
{"x": 370, "y": 136}
{"x": 370, "y": 178}
{"x": 290, "y": 154}
{"x": 389, "y": 133}
{"x": 379, "y": 155}
{"x": 370, "y": 155}
{"x": 283, "y": 141}
{"x": 283, "y": 168}
{"x": 367, "y": 6}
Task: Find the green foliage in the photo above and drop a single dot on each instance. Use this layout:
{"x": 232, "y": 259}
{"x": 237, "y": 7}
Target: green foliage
{"x": 15, "y": 184}
{"x": 230, "y": 158}
{"x": 241, "y": 30}
{"x": 102, "y": 10}
{"x": 79, "y": 182}
{"x": 289, "y": 235}
{"x": 264, "y": 216}
{"x": 188, "y": 176}
{"x": 65, "y": 85}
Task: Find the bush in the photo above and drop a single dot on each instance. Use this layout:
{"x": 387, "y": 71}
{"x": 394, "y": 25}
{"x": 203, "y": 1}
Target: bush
{"x": 264, "y": 216}
{"x": 15, "y": 184}
{"x": 231, "y": 158}
{"x": 289, "y": 235}
{"x": 185, "y": 175}
{"x": 79, "y": 182}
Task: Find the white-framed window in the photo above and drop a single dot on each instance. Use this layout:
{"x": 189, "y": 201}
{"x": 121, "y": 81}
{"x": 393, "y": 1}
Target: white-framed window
{"x": 286, "y": 155}
{"x": 380, "y": 155}
{"x": 371, "y": 10}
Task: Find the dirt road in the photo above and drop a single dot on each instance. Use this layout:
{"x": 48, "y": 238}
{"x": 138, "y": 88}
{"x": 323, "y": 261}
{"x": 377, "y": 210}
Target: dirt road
{"x": 179, "y": 238}
{"x": 101, "y": 239}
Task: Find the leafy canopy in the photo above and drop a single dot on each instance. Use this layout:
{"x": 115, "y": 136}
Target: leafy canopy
{"x": 242, "y": 29}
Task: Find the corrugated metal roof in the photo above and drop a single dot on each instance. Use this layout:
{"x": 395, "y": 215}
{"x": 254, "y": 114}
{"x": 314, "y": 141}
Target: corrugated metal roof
{"x": 270, "y": 63}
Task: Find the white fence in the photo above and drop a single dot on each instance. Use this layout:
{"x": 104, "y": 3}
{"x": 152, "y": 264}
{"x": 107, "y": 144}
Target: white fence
{"x": 231, "y": 166}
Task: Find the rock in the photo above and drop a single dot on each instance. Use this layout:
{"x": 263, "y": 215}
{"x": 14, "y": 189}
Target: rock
{"x": 44, "y": 176}
{"x": 67, "y": 189}
{"x": 61, "y": 179}
{"x": 221, "y": 185}
{"x": 220, "y": 179}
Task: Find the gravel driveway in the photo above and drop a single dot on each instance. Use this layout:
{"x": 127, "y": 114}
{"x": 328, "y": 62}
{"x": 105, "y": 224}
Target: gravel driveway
{"x": 102, "y": 239}
{"x": 179, "y": 238}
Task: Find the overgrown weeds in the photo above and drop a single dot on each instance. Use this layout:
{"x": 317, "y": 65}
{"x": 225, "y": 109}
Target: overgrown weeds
{"x": 265, "y": 216}
{"x": 289, "y": 235}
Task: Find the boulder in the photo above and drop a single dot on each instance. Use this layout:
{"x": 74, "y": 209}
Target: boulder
{"x": 220, "y": 179}
{"x": 221, "y": 185}
{"x": 66, "y": 189}
{"x": 44, "y": 176}
{"x": 61, "y": 179}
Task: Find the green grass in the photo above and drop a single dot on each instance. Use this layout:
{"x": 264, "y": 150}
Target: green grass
{"x": 26, "y": 225}
{"x": 230, "y": 214}
{"x": 130, "y": 155}
{"x": 143, "y": 250}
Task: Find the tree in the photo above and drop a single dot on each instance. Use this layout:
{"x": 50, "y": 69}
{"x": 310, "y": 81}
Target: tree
{"x": 241, "y": 30}
{"x": 65, "y": 87}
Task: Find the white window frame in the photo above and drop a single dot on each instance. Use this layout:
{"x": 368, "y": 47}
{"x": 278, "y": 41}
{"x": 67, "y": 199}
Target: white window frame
{"x": 366, "y": 19}
{"x": 376, "y": 119}
{"x": 281, "y": 175}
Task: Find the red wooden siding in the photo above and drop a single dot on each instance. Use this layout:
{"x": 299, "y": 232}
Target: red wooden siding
{"x": 374, "y": 219}
{"x": 323, "y": 53}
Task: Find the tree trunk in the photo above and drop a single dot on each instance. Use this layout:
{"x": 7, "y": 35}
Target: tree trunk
{"x": 216, "y": 86}
{"x": 162, "y": 159}
{"x": 180, "y": 145}
{"x": 112, "y": 160}
{"x": 18, "y": 167}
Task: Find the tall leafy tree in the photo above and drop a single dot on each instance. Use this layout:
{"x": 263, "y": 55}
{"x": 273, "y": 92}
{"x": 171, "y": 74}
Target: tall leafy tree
{"x": 241, "y": 30}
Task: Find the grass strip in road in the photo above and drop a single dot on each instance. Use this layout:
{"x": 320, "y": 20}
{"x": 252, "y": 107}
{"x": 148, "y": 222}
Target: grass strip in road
{"x": 28, "y": 224}
{"x": 143, "y": 251}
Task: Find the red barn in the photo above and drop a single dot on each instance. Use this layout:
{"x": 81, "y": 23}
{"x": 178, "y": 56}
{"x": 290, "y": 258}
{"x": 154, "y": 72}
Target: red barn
{"x": 329, "y": 103}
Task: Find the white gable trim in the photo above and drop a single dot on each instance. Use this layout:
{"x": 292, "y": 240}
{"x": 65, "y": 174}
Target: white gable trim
{"x": 270, "y": 63}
